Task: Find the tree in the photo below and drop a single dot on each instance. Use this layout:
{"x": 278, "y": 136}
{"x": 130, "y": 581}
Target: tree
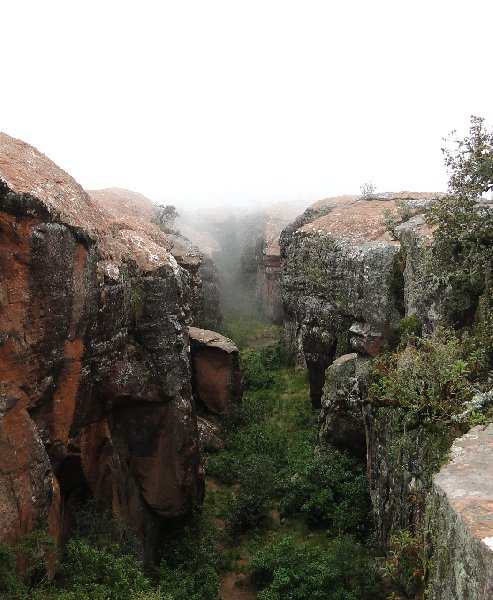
{"x": 470, "y": 161}
{"x": 464, "y": 237}
{"x": 166, "y": 215}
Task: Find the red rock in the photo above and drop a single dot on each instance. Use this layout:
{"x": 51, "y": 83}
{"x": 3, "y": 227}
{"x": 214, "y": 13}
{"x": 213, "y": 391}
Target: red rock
{"x": 95, "y": 394}
{"x": 217, "y": 380}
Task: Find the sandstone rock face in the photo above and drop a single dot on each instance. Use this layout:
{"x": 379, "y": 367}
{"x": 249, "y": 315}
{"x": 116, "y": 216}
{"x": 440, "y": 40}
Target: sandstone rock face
{"x": 348, "y": 278}
{"x": 201, "y": 286}
{"x": 209, "y": 435}
{"x": 338, "y": 261}
{"x": 401, "y": 459}
{"x": 216, "y": 371}
{"x": 459, "y": 521}
{"x": 95, "y": 394}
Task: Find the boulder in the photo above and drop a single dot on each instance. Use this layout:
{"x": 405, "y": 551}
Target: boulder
{"x": 341, "y": 418}
{"x": 216, "y": 370}
{"x": 344, "y": 280}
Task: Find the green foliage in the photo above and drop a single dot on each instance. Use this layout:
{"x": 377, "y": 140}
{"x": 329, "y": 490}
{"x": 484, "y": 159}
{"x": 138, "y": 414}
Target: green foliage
{"x": 250, "y": 330}
{"x": 403, "y": 569}
{"x": 392, "y": 218}
{"x": 470, "y": 160}
{"x": 463, "y": 247}
{"x": 166, "y": 217}
{"x": 189, "y": 564}
{"x": 134, "y": 302}
{"x": 431, "y": 378}
{"x": 248, "y": 505}
{"x": 11, "y": 585}
{"x": 409, "y": 328}
{"x": 265, "y": 438}
{"x": 97, "y": 573}
{"x": 290, "y": 570}
{"x": 269, "y": 459}
{"x": 390, "y": 221}
{"x": 258, "y": 366}
{"x": 329, "y": 489}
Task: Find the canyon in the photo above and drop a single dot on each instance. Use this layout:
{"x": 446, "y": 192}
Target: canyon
{"x": 108, "y": 351}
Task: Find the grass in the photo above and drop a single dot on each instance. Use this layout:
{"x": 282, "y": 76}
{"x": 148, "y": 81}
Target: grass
{"x": 251, "y": 331}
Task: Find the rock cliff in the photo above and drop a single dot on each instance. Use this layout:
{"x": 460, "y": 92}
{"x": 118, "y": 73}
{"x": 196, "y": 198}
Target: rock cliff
{"x": 125, "y": 206}
{"x": 344, "y": 278}
{"x": 353, "y": 268}
{"x": 459, "y": 544}
{"x": 95, "y": 384}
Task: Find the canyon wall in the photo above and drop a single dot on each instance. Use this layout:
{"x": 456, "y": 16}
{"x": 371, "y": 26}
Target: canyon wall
{"x": 343, "y": 279}
{"x": 353, "y": 269}
{"x": 202, "y": 284}
{"x": 95, "y": 375}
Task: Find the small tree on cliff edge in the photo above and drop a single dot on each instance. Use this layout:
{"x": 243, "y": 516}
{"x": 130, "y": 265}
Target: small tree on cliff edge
{"x": 464, "y": 237}
{"x": 166, "y": 216}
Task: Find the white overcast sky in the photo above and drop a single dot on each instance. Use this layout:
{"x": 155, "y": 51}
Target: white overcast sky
{"x": 245, "y": 101}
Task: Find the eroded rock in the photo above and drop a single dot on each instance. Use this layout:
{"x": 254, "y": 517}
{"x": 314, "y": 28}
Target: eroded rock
{"x": 341, "y": 418}
{"x": 459, "y": 549}
{"x": 216, "y": 371}
{"x": 95, "y": 391}
{"x": 344, "y": 279}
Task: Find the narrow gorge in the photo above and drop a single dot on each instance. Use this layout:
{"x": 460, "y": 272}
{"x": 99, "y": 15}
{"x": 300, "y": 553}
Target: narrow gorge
{"x": 299, "y": 388}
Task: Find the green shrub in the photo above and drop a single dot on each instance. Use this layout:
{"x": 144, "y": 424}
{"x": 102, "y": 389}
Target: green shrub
{"x": 11, "y": 586}
{"x": 291, "y": 570}
{"x": 259, "y": 366}
{"x": 181, "y": 583}
{"x": 97, "y": 574}
{"x": 249, "y": 504}
{"x": 329, "y": 489}
{"x": 189, "y": 565}
{"x": 403, "y": 569}
{"x": 255, "y": 371}
{"x": 431, "y": 378}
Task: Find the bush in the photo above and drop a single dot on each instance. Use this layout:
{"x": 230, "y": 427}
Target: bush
{"x": 181, "y": 583}
{"x": 403, "y": 569}
{"x": 96, "y": 573}
{"x": 291, "y": 570}
{"x": 11, "y": 585}
{"x": 189, "y": 564}
{"x": 431, "y": 378}
{"x": 330, "y": 489}
{"x": 249, "y": 505}
{"x": 259, "y": 366}
{"x": 255, "y": 371}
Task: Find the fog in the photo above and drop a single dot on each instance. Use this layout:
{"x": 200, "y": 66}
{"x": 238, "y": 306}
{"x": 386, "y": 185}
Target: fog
{"x": 226, "y": 104}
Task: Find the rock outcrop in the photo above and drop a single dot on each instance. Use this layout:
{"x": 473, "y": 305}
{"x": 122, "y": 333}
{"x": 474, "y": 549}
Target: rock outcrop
{"x": 216, "y": 370}
{"x": 124, "y": 207}
{"x": 459, "y": 544}
{"x": 353, "y": 268}
{"x": 344, "y": 282}
{"x": 95, "y": 383}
